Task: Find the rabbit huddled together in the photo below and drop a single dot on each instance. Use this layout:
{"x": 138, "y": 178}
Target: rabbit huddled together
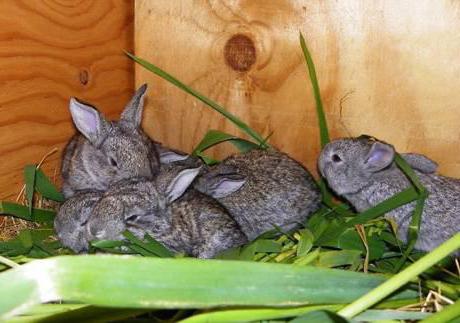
{"x": 115, "y": 179}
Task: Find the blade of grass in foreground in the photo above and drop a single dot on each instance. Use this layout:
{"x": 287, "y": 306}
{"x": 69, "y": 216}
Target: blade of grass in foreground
{"x": 168, "y": 77}
{"x": 177, "y": 283}
{"x": 448, "y": 314}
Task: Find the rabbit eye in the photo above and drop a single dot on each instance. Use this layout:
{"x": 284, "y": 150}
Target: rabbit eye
{"x": 113, "y": 162}
{"x": 132, "y": 218}
{"x": 336, "y": 158}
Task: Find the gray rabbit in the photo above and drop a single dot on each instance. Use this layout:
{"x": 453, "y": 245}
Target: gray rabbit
{"x": 72, "y": 217}
{"x": 363, "y": 171}
{"x": 105, "y": 152}
{"x": 262, "y": 189}
{"x": 188, "y": 222}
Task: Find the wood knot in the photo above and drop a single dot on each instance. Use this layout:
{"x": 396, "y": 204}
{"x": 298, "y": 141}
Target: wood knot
{"x": 84, "y": 77}
{"x": 240, "y": 53}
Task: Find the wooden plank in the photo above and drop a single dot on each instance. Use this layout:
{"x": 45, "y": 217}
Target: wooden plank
{"x": 49, "y": 51}
{"x": 386, "y": 68}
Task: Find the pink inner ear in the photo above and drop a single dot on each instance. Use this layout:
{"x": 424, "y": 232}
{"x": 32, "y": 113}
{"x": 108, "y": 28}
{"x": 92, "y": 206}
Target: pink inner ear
{"x": 85, "y": 118}
{"x": 380, "y": 157}
{"x": 377, "y": 156}
{"x": 88, "y": 121}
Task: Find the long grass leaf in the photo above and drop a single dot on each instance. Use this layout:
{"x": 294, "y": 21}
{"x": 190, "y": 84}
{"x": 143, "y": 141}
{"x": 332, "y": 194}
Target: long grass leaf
{"x": 29, "y": 180}
{"x": 214, "y": 137}
{"x": 46, "y": 188}
{"x": 400, "y": 199}
{"x": 138, "y": 282}
{"x": 322, "y": 122}
{"x": 249, "y": 315}
{"x": 323, "y": 129}
{"x": 76, "y": 313}
{"x": 448, "y": 314}
{"x": 168, "y": 77}
{"x": 416, "y": 220}
{"x": 22, "y": 212}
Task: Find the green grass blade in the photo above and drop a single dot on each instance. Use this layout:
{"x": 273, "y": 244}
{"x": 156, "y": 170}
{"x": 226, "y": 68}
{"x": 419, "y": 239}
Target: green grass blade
{"x": 396, "y": 201}
{"x": 376, "y": 315}
{"x": 416, "y": 220}
{"x": 168, "y": 77}
{"x": 323, "y": 129}
{"x": 247, "y": 315}
{"x": 46, "y": 188}
{"x": 448, "y": 314}
{"x": 152, "y": 246}
{"x": 320, "y": 316}
{"x": 401, "y": 278}
{"x": 322, "y": 122}
{"x": 77, "y": 313}
{"x": 29, "y": 180}
{"x": 214, "y": 137}
{"x": 176, "y": 283}
{"x": 22, "y": 212}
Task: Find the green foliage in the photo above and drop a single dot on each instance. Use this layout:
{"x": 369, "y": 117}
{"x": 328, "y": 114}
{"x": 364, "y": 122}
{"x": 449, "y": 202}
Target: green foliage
{"x": 238, "y": 122}
{"x": 146, "y": 282}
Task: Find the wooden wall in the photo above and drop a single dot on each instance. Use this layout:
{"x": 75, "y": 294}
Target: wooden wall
{"x": 51, "y": 50}
{"x": 386, "y": 68}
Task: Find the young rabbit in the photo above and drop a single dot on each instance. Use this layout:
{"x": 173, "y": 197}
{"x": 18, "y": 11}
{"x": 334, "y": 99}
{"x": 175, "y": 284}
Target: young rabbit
{"x": 262, "y": 189}
{"x": 105, "y": 152}
{"x": 72, "y": 217}
{"x": 183, "y": 219}
{"x": 363, "y": 172}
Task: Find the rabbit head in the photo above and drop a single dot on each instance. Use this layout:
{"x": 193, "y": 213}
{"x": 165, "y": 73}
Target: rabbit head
{"x": 71, "y": 219}
{"x": 108, "y": 151}
{"x": 137, "y": 206}
{"x": 350, "y": 164}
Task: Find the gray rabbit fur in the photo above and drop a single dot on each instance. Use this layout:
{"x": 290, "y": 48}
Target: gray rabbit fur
{"x": 72, "y": 217}
{"x": 105, "y": 152}
{"x": 262, "y": 189}
{"x": 363, "y": 171}
{"x": 181, "y": 218}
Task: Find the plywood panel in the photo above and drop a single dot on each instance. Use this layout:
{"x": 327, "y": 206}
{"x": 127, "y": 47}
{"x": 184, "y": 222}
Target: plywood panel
{"x": 386, "y": 68}
{"x": 51, "y": 50}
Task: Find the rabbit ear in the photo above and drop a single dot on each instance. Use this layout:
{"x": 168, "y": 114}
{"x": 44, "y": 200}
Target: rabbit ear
{"x": 380, "y": 156}
{"x": 180, "y": 183}
{"x": 222, "y": 186}
{"x": 420, "y": 163}
{"x": 171, "y": 157}
{"x": 88, "y": 121}
{"x": 132, "y": 114}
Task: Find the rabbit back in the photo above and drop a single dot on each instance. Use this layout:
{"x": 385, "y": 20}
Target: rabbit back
{"x": 278, "y": 191}
{"x": 202, "y": 227}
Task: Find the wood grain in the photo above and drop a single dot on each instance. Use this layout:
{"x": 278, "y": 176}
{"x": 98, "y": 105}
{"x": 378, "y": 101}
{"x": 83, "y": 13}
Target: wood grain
{"x": 386, "y": 68}
{"x": 51, "y": 50}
